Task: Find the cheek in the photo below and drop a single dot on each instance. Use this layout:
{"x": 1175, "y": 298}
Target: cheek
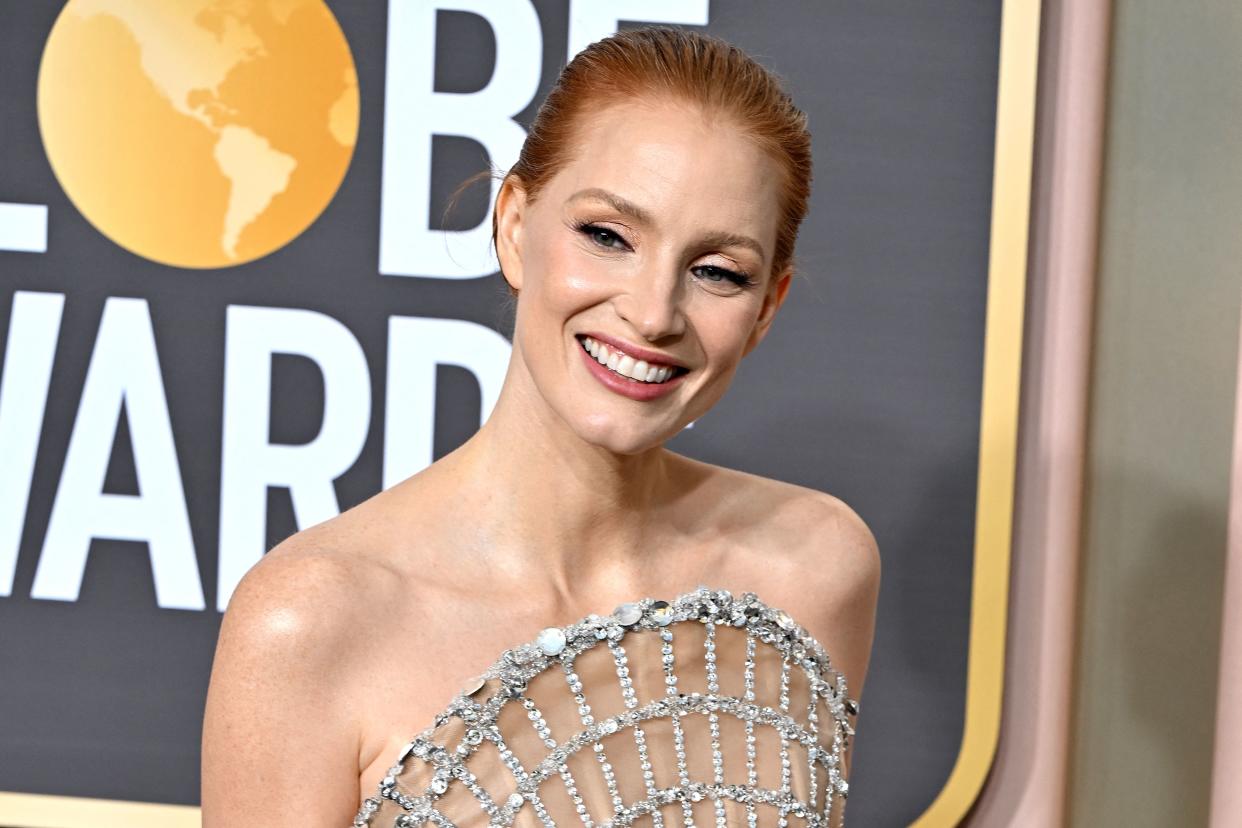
{"x": 724, "y": 330}
{"x": 566, "y": 280}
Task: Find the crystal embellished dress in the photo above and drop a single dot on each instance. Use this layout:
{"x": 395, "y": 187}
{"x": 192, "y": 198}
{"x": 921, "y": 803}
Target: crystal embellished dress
{"x": 709, "y": 710}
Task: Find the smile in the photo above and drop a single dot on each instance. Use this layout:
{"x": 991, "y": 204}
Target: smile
{"x": 627, "y": 366}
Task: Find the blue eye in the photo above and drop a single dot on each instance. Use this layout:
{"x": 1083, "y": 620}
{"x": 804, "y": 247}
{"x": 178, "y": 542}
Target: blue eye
{"x": 601, "y": 236}
{"x": 721, "y": 274}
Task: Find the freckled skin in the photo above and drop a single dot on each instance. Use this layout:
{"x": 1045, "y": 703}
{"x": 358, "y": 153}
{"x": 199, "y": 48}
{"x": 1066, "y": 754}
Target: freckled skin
{"x": 349, "y": 636}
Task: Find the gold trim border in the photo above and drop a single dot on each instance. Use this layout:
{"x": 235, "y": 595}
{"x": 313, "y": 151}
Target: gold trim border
{"x": 998, "y": 435}
{"x": 998, "y": 438}
{"x": 19, "y": 810}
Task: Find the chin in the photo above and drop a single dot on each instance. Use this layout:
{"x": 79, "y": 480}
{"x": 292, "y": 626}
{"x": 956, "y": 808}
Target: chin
{"x": 606, "y": 433}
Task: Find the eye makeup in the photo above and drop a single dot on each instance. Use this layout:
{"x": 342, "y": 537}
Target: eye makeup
{"x": 611, "y": 240}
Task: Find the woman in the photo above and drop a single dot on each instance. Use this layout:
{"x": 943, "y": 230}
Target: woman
{"x": 647, "y": 232}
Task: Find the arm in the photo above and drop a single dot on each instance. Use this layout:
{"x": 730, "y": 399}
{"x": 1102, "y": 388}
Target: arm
{"x": 855, "y": 591}
{"x": 842, "y": 560}
{"x": 280, "y": 745}
{"x": 853, "y": 614}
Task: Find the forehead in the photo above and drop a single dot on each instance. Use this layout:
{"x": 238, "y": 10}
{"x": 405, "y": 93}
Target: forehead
{"x": 679, "y": 162}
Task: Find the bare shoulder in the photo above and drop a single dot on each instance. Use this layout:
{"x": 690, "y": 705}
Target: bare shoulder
{"x": 818, "y": 541}
{"x": 314, "y": 586}
{"x": 813, "y": 554}
{"x": 326, "y": 556}
{"x": 281, "y": 718}
{"x": 834, "y": 560}
{"x": 828, "y": 539}
{"x": 797, "y": 527}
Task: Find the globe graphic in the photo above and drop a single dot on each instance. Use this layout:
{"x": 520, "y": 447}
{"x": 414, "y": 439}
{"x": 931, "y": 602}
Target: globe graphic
{"x": 198, "y": 133}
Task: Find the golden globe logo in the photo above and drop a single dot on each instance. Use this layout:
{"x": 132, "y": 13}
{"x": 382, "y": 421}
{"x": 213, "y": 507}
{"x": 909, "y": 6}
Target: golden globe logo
{"x": 196, "y": 133}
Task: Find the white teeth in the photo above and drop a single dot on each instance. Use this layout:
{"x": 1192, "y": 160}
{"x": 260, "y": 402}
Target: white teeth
{"x": 601, "y": 354}
{"x": 624, "y": 364}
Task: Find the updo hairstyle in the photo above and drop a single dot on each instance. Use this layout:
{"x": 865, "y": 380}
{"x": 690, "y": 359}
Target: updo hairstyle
{"x": 656, "y": 62}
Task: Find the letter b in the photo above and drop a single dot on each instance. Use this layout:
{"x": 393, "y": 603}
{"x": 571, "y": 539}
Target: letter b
{"x": 414, "y": 112}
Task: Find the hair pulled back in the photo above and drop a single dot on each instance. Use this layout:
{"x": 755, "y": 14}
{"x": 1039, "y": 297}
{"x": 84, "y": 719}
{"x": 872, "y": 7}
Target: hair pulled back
{"x": 663, "y": 61}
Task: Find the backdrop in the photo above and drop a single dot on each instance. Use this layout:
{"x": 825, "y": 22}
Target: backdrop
{"x": 228, "y": 311}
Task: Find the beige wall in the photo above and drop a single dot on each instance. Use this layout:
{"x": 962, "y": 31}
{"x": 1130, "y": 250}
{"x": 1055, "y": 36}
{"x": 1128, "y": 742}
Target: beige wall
{"x": 1161, "y": 417}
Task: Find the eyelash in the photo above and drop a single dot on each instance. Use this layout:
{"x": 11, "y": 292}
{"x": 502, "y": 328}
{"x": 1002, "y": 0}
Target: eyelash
{"x": 737, "y": 277}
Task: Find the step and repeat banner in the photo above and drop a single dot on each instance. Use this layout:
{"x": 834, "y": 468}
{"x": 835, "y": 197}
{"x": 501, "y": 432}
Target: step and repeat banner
{"x": 232, "y": 304}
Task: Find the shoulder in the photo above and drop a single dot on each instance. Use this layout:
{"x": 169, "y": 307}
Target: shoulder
{"x": 298, "y": 607}
{"x": 797, "y": 527}
{"x": 311, "y": 586}
{"x": 824, "y": 530}
{"x": 836, "y": 559}
{"x": 281, "y": 711}
{"x": 820, "y": 542}
{"x": 812, "y": 554}
{"x": 321, "y": 596}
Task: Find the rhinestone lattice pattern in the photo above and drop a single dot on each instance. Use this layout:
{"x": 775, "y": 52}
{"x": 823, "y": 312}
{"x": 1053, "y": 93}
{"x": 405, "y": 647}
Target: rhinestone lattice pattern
{"x": 708, "y": 710}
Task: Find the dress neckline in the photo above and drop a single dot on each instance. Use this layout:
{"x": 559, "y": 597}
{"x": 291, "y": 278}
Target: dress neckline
{"x": 701, "y": 603}
{"x": 512, "y": 670}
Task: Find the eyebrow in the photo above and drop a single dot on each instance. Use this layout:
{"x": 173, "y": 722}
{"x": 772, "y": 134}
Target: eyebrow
{"x": 629, "y": 208}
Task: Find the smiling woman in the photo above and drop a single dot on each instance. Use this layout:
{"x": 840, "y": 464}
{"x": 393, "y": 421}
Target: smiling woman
{"x": 623, "y": 244}
{"x": 648, "y": 234}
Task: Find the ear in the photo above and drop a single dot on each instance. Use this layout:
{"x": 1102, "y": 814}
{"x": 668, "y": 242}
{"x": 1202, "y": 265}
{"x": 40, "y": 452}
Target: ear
{"x": 773, "y": 298}
{"x": 510, "y": 205}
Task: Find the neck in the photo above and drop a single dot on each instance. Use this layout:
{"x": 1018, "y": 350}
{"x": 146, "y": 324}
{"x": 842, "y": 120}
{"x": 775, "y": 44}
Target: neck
{"x": 536, "y": 497}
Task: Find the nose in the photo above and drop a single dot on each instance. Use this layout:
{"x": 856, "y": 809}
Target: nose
{"x": 652, "y": 304}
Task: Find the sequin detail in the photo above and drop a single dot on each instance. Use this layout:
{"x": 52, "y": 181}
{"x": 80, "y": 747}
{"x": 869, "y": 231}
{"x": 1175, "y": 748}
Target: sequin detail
{"x": 418, "y": 787}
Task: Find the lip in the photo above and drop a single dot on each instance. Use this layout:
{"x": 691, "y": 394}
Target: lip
{"x": 626, "y": 387}
{"x": 633, "y": 350}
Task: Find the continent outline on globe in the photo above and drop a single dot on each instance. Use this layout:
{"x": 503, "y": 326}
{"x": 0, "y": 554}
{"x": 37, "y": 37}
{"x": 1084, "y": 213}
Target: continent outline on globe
{"x": 198, "y": 134}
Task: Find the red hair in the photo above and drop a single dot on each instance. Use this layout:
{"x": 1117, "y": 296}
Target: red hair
{"x": 686, "y": 65}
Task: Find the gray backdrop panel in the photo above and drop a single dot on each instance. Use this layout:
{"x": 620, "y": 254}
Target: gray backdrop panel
{"x": 868, "y": 387}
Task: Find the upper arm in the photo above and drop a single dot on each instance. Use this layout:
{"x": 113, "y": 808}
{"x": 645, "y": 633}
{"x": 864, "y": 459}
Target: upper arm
{"x": 855, "y": 587}
{"x": 840, "y": 574}
{"x": 850, "y": 582}
{"x": 280, "y": 746}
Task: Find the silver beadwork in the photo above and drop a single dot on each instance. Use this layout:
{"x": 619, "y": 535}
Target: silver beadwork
{"x": 551, "y": 641}
{"x": 828, "y": 714}
{"x": 662, "y": 613}
{"x": 629, "y": 614}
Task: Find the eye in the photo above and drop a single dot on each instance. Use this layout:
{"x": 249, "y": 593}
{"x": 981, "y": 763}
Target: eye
{"x": 721, "y": 275}
{"x": 602, "y": 236}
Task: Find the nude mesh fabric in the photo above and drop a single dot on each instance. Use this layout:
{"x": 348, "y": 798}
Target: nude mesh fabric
{"x": 525, "y": 749}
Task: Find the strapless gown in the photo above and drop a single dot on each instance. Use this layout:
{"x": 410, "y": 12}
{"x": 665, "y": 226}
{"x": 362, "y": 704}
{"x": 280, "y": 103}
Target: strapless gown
{"x": 707, "y": 709}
